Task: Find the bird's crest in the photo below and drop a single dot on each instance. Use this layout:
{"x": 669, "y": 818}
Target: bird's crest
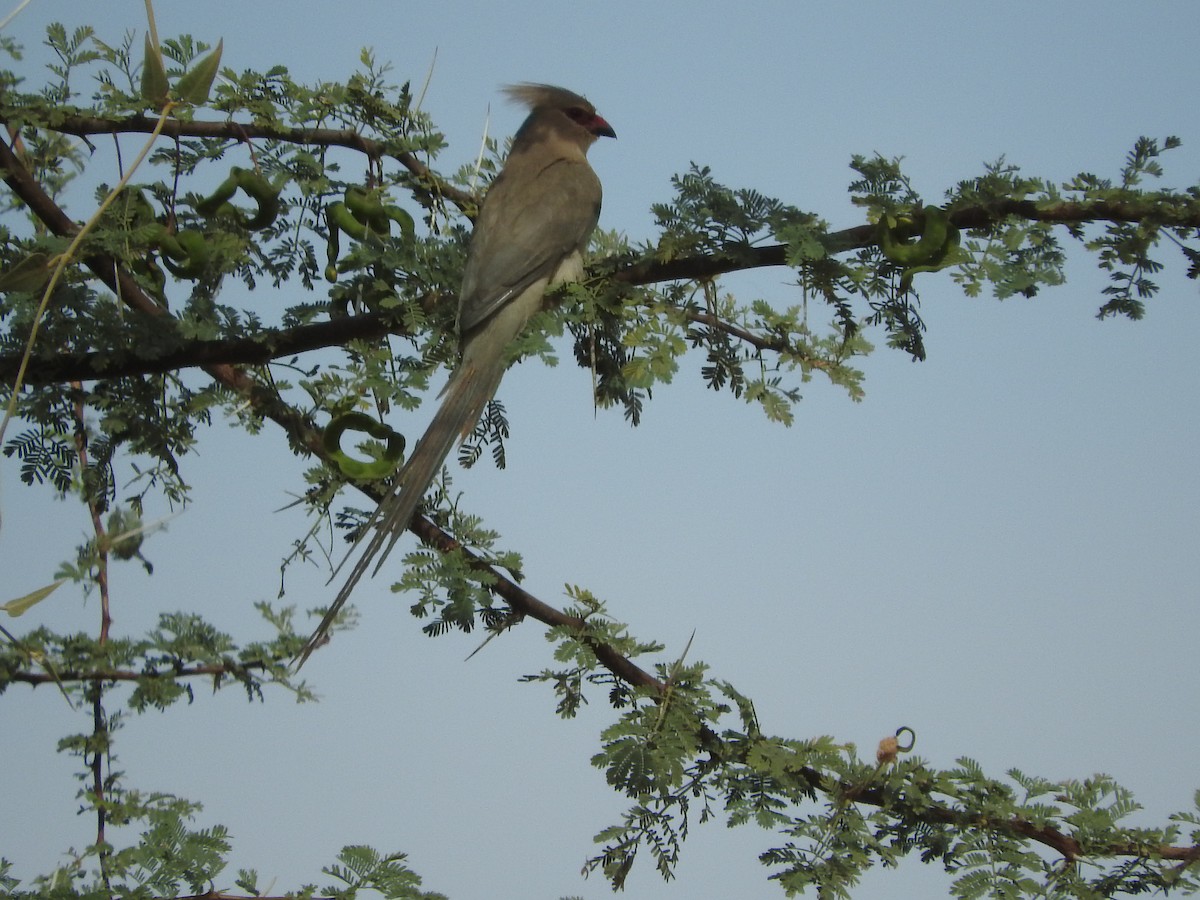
{"x": 536, "y": 96}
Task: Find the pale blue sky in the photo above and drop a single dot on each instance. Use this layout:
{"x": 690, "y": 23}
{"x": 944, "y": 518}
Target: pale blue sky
{"x": 997, "y": 548}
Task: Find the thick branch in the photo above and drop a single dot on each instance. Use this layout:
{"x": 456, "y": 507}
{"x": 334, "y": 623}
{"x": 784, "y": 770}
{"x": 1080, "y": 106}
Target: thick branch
{"x": 269, "y": 345}
{"x": 278, "y": 343}
{"x": 259, "y": 349}
{"x": 1063, "y": 844}
{"x": 1180, "y": 212}
{"x": 1164, "y": 210}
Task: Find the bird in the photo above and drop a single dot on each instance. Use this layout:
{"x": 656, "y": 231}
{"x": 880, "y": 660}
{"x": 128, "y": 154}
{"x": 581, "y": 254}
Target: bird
{"x": 530, "y": 234}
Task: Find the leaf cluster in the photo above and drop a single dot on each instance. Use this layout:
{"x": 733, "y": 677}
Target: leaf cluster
{"x": 162, "y": 667}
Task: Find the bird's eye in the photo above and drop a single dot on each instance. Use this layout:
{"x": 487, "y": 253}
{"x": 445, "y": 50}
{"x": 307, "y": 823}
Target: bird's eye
{"x": 578, "y": 114}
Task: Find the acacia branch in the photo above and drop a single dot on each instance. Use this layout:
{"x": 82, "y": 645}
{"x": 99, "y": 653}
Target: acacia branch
{"x": 526, "y": 603}
{"x": 272, "y": 344}
{"x": 424, "y": 179}
{"x": 1162, "y": 210}
{"x": 101, "y": 675}
{"x": 258, "y": 349}
{"x": 1064, "y": 844}
{"x": 1060, "y": 842}
{"x": 1167, "y": 211}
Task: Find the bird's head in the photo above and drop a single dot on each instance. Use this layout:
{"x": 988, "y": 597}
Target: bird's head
{"x": 550, "y": 100}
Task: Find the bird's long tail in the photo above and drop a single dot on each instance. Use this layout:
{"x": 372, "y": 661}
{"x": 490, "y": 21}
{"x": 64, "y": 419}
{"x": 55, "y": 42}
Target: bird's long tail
{"x": 473, "y": 383}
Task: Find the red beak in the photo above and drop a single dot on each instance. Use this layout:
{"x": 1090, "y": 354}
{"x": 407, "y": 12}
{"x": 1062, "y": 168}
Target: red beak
{"x": 601, "y": 128}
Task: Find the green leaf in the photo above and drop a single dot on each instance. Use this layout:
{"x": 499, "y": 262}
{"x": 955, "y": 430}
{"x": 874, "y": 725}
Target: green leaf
{"x": 154, "y": 76}
{"x": 16, "y": 607}
{"x": 196, "y": 83}
{"x": 630, "y": 766}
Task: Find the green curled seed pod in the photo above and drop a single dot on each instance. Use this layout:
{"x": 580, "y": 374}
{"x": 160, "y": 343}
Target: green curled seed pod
{"x": 215, "y": 202}
{"x": 361, "y": 215}
{"x": 341, "y": 216}
{"x": 159, "y": 237}
{"x": 186, "y": 254}
{"x": 261, "y": 191}
{"x": 147, "y": 268}
{"x": 367, "y": 207}
{"x": 332, "y": 246}
{"x": 921, "y": 252}
{"x": 932, "y": 251}
{"x": 945, "y": 257}
{"x": 408, "y": 228}
{"x": 331, "y": 441}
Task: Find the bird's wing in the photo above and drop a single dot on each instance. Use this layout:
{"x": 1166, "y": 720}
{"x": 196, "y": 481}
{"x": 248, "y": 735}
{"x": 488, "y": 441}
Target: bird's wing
{"x": 528, "y": 225}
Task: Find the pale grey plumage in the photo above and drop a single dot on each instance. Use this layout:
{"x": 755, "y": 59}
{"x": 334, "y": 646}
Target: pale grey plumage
{"x": 530, "y": 234}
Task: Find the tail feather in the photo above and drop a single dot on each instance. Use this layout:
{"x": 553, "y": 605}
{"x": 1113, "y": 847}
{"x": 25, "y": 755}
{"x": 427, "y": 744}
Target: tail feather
{"x": 468, "y": 391}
